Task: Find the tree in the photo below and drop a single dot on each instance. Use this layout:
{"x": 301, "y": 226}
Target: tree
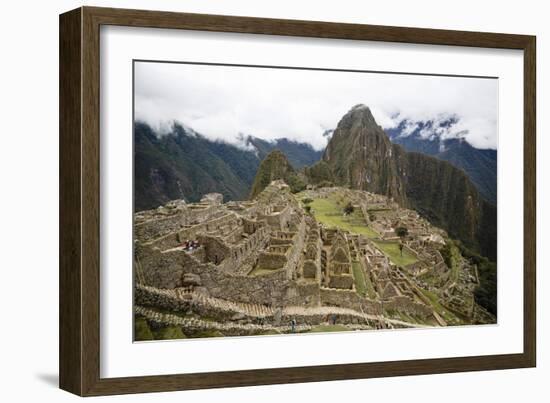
{"x": 349, "y": 208}
{"x": 401, "y": 232}
{"x": 308, "y": 209}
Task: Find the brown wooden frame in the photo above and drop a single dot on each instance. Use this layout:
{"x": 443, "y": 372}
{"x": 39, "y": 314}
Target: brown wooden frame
{"x": 79, "y": 200}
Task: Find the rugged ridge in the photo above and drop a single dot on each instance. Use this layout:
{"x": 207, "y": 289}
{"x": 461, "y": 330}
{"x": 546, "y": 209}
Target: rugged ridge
{"x": 361, "y": 155}
{"x": 183, "y": 164}
{"x": 299, "y": 155}
{"x": 276, "y": 166}
{"x": 479, "y": 164}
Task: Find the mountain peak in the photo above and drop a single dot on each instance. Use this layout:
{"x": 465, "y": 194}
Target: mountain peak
{"x": 359, "y": 115}
{"x": 275, "y": 166}
{"x": 360, "y": 107}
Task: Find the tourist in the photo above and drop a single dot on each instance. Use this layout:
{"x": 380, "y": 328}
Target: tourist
{"x": 293, "y": 325}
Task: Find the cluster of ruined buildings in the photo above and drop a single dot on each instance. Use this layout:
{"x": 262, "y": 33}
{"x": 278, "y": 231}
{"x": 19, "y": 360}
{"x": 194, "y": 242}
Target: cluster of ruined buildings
{"x": 270, "y": 252}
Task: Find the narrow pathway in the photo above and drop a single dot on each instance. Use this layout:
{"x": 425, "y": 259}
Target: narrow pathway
{"x": 262, "y": 311}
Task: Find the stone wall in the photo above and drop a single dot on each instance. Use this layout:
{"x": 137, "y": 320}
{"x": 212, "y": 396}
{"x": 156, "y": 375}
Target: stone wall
{"x": 272, "y": 261}
{"x": 349, "y": 299}
{"x": 303, "y": 294}
{"x": 192, "y": 232}
{"x": 405, "y": 304}
{"x": 214, "y": 250}
{"x": 157, "y": 227}
{"x": 344, "y": 281}
{"x": 310, "y": 269}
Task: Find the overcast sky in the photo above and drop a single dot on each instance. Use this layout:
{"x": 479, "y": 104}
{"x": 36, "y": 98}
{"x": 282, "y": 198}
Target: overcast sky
{"x": 222, "y": 102}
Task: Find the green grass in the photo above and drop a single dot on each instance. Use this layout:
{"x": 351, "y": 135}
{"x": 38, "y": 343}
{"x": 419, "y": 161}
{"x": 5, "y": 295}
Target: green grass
{"x": 327, "y": 212}
{"x": 449, "y": 317}
{"x": 370, "y": 288}
{"x": 270, "y": 332}
{"x": 391, "y": 250}
{"x": 258, "y": 271}
{"x": 329, "y": 328}
{"x": 169, "y": 333}
{"x": 363, "y": 284}
{"x": 208, "y": 333}
{"x": 451, "y": 255}
{"x": 359, "y": 277}
{"x": 142, "y": 331}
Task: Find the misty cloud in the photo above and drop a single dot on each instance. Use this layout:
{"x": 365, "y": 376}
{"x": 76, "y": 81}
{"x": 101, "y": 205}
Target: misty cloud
{"x": 225, "y": 103}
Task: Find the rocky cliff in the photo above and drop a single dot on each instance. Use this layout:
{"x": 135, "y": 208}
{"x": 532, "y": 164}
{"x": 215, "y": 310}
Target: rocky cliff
{"x": 362, "y": 156}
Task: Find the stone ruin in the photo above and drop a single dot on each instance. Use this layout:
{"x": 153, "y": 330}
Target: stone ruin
{"x": 269, "y": 254}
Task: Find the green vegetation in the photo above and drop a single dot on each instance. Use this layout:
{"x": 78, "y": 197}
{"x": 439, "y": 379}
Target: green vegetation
{"x": 319, "y": 174}
{"x": 276, "y": 166}
{"x": 402, "y": 232}
{"x": 359, "y": 277}
{"x": 451, "y": 255}
{"x": 349, "y": 208}
{"x": 183, "y": 163}
{"x": 299, "y": 155}
{"x": 363, "y": 285}
{"x": 169, "y": 333}
{"x": 448, "y": 316}
{"x": 268, "y": 332}
{"x": 208, "y": 333}
{"x": 391, "y": 250}
{"x": 329, "y": 328}
{"x": 258, "y": 271}
{"x": 486, "y": 293}
{"x": 327, "y": 212}
{"x": 142, "y": 331}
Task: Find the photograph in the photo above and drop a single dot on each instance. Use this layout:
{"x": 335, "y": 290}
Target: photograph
{"x": 274, "y": 200}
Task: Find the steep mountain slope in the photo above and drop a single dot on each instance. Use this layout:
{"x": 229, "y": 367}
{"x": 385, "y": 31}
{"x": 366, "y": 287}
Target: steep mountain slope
{"x": 361, "y": 155}
{"x": 185, "y": 164}
{"x": 182, "y": 164}
{"x": 276, "y": 166}
{"x": 299, "y": 154}
{"x": 426, "y": 137}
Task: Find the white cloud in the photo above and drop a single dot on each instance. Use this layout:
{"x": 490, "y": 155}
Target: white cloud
{"x": 221, "y": 101}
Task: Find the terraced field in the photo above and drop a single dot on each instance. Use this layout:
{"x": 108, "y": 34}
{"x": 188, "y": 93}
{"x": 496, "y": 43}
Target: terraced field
{"x": 328, "y": 212}
{"x": 391, "y": 250}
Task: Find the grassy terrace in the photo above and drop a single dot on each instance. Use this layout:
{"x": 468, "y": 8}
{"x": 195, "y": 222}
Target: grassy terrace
{"x": 391, "y": 249}
{"x": 328, "y": 212}
{"x": 329, "y": 328}
{"x": 359, "y": 278}
{"x": 258, "y": 271}
{"x": 363, "y": 284}
{"x": 448, "y": 316}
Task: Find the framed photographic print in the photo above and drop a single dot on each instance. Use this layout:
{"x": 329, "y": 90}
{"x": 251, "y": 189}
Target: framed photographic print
{"x": 249, "y": 201}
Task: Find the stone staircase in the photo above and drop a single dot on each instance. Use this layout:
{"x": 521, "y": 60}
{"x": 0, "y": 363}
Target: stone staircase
{"x": 251, "y": 310}
{"x": 262, "y": 311}
{"x": 199, "y": 324}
